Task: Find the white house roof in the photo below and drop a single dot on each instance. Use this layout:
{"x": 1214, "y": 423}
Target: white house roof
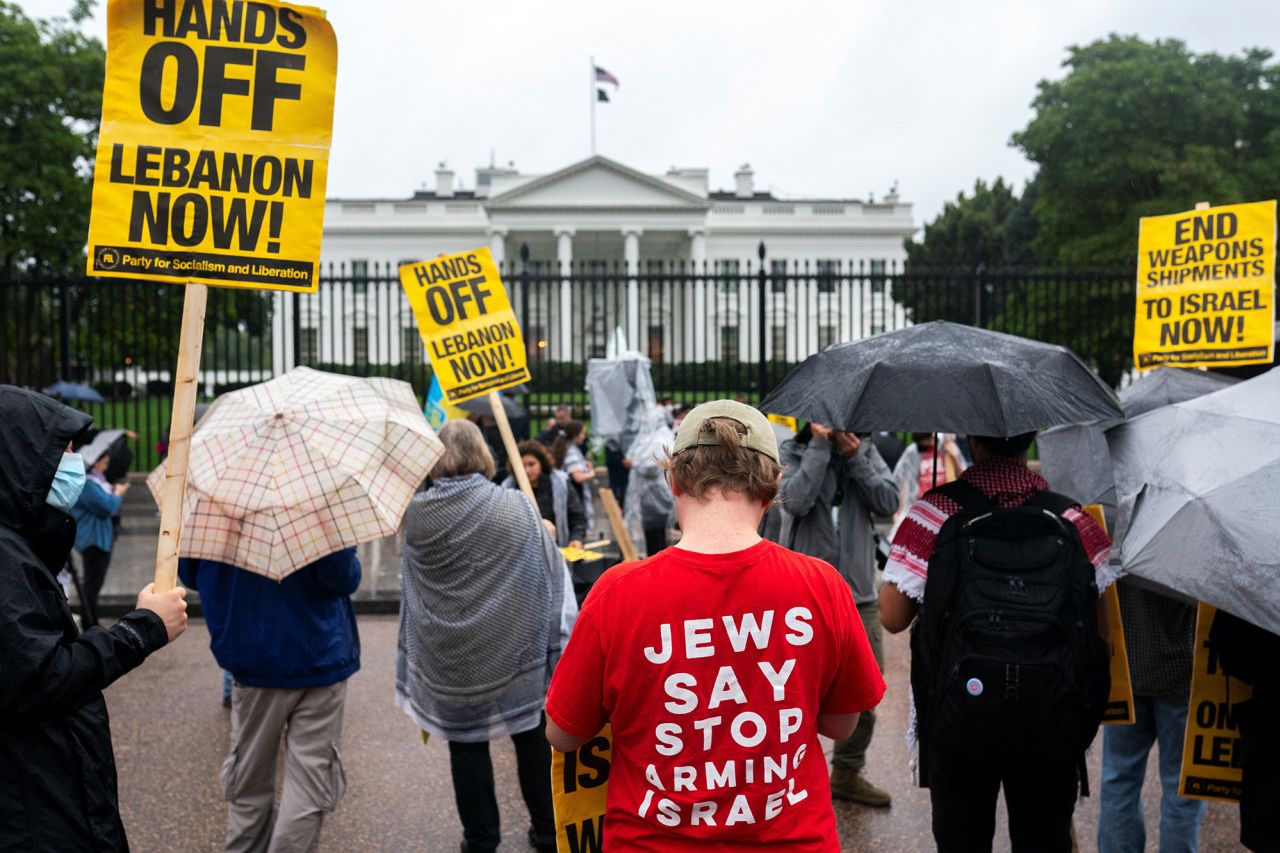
{"x": 597, "y": 183}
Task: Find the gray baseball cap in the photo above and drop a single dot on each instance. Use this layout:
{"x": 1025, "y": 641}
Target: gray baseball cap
{"x": 759, "y": 437}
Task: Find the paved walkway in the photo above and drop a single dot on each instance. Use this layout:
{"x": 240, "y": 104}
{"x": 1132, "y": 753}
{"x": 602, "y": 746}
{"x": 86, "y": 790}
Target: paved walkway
{"x": 170, "y": 733}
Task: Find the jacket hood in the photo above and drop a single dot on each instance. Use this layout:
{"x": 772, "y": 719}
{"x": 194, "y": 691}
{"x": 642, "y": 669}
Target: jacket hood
{"x": 34, "y": 431}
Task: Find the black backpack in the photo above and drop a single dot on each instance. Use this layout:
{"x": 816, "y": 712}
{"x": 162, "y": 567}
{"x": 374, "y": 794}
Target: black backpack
{"x": 1005, "y": 657}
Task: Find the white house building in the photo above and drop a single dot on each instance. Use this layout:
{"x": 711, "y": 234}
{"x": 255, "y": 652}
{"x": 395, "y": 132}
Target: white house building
{"x": 600, "y": 215}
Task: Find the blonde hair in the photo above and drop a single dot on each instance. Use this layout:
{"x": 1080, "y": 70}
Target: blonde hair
{"x": 465, "y": 452}
{"x": 725, "y": 465}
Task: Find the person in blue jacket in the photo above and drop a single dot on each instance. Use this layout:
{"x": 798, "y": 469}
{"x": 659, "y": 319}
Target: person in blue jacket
{"x": 290, "y": 645}
{"x": 94, "y": 512}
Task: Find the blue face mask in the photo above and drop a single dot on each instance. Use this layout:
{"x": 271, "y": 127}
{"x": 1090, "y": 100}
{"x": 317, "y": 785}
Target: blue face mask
{"x": 68, "y": 482}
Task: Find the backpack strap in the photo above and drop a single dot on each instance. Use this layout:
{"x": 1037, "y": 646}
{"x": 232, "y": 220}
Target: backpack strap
{"x": 1052, "y": 501}
{"x": 969, "y": 496}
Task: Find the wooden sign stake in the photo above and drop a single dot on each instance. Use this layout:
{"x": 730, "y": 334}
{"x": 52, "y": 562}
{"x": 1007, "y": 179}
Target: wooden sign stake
{"x": 183, "y": 419}
{"x": 514, "y": 463}
{"x": 611, "y": 508}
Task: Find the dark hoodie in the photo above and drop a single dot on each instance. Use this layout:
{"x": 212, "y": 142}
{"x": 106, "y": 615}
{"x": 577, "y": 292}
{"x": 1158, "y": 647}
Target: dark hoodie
{"x": 57, "y": 772}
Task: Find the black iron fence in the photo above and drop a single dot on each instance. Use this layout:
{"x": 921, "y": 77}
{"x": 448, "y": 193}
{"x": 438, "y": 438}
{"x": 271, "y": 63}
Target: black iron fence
{"x": 724, "y": 329}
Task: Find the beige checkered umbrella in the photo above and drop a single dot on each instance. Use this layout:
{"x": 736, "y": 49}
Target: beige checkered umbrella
{"x": 288, "y": 471}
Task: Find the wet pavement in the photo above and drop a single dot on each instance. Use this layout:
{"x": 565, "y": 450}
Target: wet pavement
{"x": 170, "y": 733}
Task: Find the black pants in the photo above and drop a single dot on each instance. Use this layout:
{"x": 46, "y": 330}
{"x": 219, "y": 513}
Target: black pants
{"x": 619, "y": 475}
{"x": 95, "y": 572}
{"x": 1260, "y": 800}
{"x": 1040, "y": 797}
{"x": 655, "y": 539}
{"x": 473, "y": 788}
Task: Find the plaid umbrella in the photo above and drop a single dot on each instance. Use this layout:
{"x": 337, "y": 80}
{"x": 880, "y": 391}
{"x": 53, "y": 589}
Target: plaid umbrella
{"x": 288, "y": 471}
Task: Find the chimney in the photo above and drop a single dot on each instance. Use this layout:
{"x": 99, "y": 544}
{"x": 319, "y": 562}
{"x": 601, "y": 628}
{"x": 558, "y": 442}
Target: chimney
{"x": 444, "y": 182}
{"x": 744, "y": 186}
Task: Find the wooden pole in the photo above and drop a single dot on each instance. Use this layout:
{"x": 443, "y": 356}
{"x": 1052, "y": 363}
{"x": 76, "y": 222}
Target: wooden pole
{"x": 183, "y": 419}
{"x": 514, "y": 463}
{"x": 611, "y": 508}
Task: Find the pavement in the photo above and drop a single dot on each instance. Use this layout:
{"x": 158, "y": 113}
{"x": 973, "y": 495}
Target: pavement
{"x": 170, "y": 733}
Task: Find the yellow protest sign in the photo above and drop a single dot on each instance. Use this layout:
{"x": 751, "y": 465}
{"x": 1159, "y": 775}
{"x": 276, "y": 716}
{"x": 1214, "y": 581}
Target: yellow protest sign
{"x": 1119, "y": 710}
{"x": 579, "y": 780}
{"x": 1206, "y": 287}
{"x": 575, "y": 555}
{"x": 466, "y": 323}
{"x": 1211, "y": 749}
{"x": 214, "y": 147}
{"x": 784, "y": 421}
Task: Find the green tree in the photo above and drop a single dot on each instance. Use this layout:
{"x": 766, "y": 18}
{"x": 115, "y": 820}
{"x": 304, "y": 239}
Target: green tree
{"x": 1131, "y": 129}
{"x": 1139, "y": 129}
{"x": 50, "y": 104}
{"x": 991, "y": 229}
{"x": 982, "y": 228}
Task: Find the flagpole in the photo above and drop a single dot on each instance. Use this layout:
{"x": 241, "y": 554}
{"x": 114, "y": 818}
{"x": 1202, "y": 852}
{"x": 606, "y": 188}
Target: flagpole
{"x": 592, "y": 89}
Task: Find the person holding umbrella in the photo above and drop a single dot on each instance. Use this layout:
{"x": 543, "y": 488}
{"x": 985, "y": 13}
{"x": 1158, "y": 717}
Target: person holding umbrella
{"x": 1009, "y": 673}
{"x": 824, "y": 469}
{"x": 284, "y": 479}
{"x": 58, "y": 784}
{"x": 1040, "y": 785}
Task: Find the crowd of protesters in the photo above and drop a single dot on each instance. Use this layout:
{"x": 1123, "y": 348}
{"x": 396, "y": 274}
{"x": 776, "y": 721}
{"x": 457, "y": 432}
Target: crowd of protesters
{"x": 718, "y": 661}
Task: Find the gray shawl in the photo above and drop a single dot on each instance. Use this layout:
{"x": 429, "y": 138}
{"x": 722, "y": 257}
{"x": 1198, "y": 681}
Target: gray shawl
{"x": 559, "y": 502}
{"x": 484, "y": 611}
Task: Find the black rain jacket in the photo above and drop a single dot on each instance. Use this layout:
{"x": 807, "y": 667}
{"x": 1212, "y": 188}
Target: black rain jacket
{"x": 57, "y": 771}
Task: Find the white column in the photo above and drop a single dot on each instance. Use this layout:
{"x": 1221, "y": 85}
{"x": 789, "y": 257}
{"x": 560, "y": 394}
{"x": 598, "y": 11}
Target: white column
{"x": 631, "y": 255}
{"x": 698, "y": 256}
{"x": 282, "y": 334}
{"x": 564, "y": 253}
{"x": 498, "y": 245}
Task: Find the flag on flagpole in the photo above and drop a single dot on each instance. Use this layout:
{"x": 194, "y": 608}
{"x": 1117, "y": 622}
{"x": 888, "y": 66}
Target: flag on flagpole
{"x": 602, "y": 95}
{"x": 603, "y": 76}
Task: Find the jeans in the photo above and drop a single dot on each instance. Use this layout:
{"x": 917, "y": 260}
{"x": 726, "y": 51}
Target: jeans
{"x": 1124, "y": 765}
{"x": 851, "y": 753}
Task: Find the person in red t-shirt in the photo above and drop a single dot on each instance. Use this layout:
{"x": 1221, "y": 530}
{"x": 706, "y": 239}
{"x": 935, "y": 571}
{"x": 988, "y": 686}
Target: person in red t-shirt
{"x": 719, "y": 662}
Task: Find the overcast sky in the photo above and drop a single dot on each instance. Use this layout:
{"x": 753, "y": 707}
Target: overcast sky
{"x": 830, "y": 99}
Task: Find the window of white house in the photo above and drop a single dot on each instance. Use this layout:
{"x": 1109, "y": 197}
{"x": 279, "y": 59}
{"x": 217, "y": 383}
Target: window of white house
{"x": 655, "y": 344}
{"x": 535, "y": 342}
{"x": 360, "y": 346}
{"x": 779, "y": 335}
{"x": 730, "y": 272}
{"x": 729, "y": 343}
{"x": 360, "y": 276}
{"x": 411, "y": 346}
{"x": 309, "y": 346}
{"x": 778, "y": 275}
{"x": 877, "y": 278}
{"x": 827, "y": 271}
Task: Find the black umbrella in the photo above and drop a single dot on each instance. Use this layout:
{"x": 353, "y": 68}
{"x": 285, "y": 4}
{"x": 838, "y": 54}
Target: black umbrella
{"x": 944, "y": 377}
{"x": 480, "y": 406}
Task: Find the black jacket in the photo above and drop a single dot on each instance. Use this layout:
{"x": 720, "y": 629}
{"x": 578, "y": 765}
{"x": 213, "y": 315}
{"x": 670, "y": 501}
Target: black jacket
{"x": 57, "y": 771}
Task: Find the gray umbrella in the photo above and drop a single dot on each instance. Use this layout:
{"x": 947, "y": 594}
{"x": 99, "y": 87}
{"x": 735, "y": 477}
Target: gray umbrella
{"x": 481, "y": 406}
{"x": 944, "y": 377}
{"x": 1075, "y": 459}
{"x": 1198, "y": 485}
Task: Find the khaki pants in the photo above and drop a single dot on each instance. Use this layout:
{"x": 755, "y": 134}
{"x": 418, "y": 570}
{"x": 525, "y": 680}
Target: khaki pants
{"x": 851, "y": 753}
{"x": 310, "y": 720}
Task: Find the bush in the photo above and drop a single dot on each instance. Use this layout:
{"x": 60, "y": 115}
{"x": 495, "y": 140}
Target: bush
{"x": 159, "y": 388}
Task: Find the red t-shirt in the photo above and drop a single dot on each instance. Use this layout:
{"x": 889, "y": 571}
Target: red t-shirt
{"x": 713, "y": 669}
